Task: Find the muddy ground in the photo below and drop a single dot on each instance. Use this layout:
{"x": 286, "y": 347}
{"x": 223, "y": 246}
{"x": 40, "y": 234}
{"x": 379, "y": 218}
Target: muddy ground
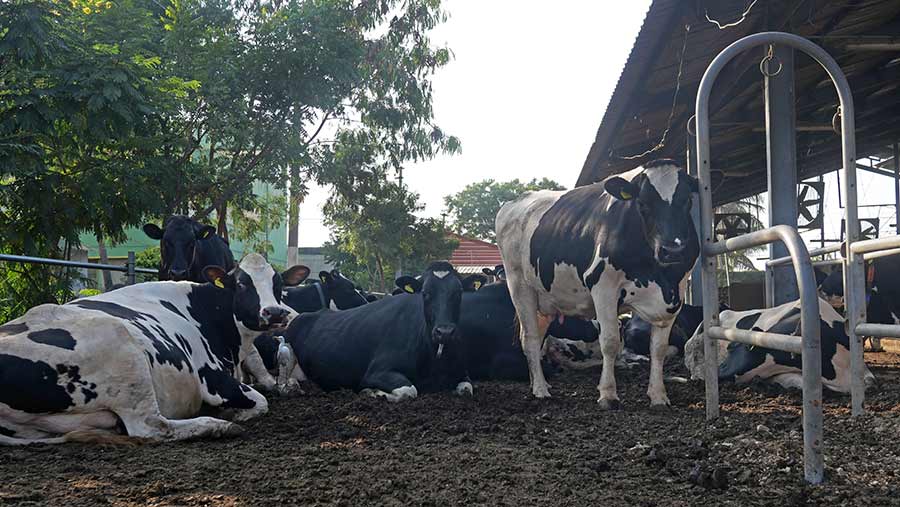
{"x": 500, "y": 448}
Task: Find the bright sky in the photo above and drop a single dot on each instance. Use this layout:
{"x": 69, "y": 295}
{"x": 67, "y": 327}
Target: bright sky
{"x": 525, "y": 94}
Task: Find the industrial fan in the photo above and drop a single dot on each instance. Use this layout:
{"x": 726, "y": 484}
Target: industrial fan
{"x": 730, "y": 225}
{"x": 868, "y": 228}
{"x": 809, "y": 204}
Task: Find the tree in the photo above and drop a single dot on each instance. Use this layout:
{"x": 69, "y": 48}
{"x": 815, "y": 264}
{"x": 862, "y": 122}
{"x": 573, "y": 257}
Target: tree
{"x": 474, "y": 209}
{"x": 376, "y": 228}
{"x": 741, "y": 260}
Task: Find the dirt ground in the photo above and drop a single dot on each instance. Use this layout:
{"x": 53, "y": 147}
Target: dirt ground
{"x": 500, "y": 448}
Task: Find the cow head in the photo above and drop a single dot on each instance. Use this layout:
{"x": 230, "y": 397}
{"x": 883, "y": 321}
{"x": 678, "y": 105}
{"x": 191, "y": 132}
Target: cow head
{"x": 257, "y": 289}
{"x": 178, "y": 245}
{"x": 662, "y": 194}
{"x": 342, "y": 291}
{"x": 832, "y": 288}
{"x": 441, "y": 292}
{"x": 474, "y": 282}
{"x": 497, "y": 271}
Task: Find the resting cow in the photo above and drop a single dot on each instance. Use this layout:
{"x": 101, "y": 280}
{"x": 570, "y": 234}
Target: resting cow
{"x": 882, "y": 292}
{"x": 388, "y": 347}
{"x": 333, "y": 290}
{"x": 627, "y": 243}
{"x": 186, "y": 247}
{"x": 144, "y": 360}
{"x": 743, "y": 363}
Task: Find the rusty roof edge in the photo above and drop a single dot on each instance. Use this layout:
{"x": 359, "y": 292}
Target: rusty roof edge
{"x": 654, "y": 31}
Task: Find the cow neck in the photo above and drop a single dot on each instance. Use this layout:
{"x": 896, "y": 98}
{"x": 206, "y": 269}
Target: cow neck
{"x": 213, "y": 309}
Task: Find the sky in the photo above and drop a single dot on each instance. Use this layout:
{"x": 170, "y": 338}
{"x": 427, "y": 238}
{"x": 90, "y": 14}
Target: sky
{"x": 525, "y": 94}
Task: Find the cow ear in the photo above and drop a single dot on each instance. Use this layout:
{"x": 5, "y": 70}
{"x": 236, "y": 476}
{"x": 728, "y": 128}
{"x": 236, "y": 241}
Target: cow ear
{"x": 153, "y": 231}
{"x": 325, "y": 276}
{"x": 205, "y": 232}
{"x": 621, "y": 189}
{"x": 217, "y": 276}
{"x": 409, "y": 284}
{"x": 294, "y": 275}
{"x": 488, "y": 272}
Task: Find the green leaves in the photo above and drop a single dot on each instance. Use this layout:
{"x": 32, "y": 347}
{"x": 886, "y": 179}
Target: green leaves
{"x": 475, "y": 208}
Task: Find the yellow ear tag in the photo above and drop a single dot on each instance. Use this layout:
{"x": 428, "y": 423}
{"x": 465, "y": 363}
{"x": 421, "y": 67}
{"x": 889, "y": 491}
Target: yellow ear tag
{"x": 322, "y": 278}
{"x": 625, "y": 195}
{"x": 477, "y": 285}
{"x": 409, "y": 288}
{"x": 218, "y": 283}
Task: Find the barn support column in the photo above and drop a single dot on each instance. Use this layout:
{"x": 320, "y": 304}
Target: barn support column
{"x": 896, "y": 153}
{"x": 781, "y": 157}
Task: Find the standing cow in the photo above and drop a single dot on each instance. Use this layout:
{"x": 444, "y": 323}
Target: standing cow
{"x": 186, "y": 247}
{"x": 626, "y": 243}
{"x": 145, "y": 360}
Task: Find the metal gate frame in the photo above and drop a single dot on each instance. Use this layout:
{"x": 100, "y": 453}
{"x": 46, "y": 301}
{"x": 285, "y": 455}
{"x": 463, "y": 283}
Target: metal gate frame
{"x": 809, "y": 342}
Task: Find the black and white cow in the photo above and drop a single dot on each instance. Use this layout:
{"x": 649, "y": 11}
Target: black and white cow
{"x": 626, "y": 243}
{"x": 882, "y": 292}
{"x": 743, "y": 363}
{"x": 142, "y": 361}
{"x": 186, "y": 247}
{"x": 389, "y": 347}
{"x": 333, "y": 290}
{"x": 489, "y": 333}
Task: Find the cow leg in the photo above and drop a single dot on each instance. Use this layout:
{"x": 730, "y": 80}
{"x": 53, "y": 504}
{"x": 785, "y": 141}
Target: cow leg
{"x": 532, "y": 334}
{"x": 253, "y": 363}
{"x": 610, "y": 345}
{"x": 659, "y": 348}
{"x": 390, "y": 385}
{"x": 159, "y": 428}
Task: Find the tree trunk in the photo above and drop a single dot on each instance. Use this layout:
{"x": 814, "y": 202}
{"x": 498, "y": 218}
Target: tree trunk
{"x": 104, "y": 259}
{"x": 294, "y": 216}
{"x": 222, "y": 226}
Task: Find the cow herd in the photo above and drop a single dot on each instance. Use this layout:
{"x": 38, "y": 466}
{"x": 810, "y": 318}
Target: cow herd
{"x": 591, "y": 277}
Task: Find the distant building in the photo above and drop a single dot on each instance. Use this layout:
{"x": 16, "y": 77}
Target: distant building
{"x": 473, "y": 255}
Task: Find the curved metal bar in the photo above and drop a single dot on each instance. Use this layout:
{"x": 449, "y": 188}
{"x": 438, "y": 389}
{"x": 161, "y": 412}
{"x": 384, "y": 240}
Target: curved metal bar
{"x": 812, "y": 381}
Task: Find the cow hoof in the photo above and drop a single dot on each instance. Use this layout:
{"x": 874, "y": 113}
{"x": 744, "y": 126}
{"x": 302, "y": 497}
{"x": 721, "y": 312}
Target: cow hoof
{"x": 540, "y": 392}
{"x": 233, "y": 430}
{"x": 464, "y": 388}
{"x": 660, "y": 407}
{"x": 609, "y": 405}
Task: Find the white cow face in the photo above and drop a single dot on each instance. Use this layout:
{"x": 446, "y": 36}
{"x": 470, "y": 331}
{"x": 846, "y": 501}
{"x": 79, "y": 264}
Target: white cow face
{"x": 257, "y": 291}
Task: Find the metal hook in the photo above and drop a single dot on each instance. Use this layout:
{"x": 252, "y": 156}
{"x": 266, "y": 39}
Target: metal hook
{"x": 692, "y": 132}
{"x": 764, "y": 63}
{"x": 836, "y": 121}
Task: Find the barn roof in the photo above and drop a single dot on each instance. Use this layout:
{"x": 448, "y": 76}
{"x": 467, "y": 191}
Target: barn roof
{"x": 862, "y": 35}
{"x": 475, "y": 253}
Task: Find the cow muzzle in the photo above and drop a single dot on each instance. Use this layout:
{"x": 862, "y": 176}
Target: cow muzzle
{"x": 179, "y": 275}
{"x": 444, "y": 333}
{"x": 273, "y": 316}
{"x": 670, "y": 253}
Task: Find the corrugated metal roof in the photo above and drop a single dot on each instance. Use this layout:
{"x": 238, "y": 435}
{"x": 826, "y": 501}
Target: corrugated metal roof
{"x": 473, "y": 252}
{"x": 637, "y": 114}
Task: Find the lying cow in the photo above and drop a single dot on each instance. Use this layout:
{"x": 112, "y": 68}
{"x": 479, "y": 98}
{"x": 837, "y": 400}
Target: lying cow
{"x": 882, "y": 292}
{"x": 743, "y": 363}
{"x": 388, "y": 347}
{"x": 627, "y": 243}
{"x": 489, "y": 333}
{"x": 143, "y": 360}
{"x": 333, "y": 290}
{"x": 186, "y": 247}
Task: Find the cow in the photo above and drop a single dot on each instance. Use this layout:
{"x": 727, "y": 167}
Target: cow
{"x": 627, "y": 243}
{"x": 742, "y": 363}
{"x": 636, "y": 331}
{"x": 388, "y": 348}
{"x": 498, "y": 272}
{"x": 332, "y": 290}
{"x": 882, "y": 292}
{"x": 142, "y": 362}
{"x": 186, "y": 247}
{"x": 470, "y": 283}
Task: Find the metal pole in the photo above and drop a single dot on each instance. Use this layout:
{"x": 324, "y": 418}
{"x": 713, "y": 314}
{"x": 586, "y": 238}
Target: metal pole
{"x": 781, "y": 158}
{"x": 812, "y": 386}
{"x": 896, "y": 151}
{"x": 129, "y": 267}
{"x": 696, "y": 284}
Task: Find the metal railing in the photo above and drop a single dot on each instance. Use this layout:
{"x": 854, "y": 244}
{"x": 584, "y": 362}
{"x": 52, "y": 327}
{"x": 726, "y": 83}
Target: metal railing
{"x": 130, "y": 268}
{"x": 809, "y": 341}
{"x": 816, "y": 252}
